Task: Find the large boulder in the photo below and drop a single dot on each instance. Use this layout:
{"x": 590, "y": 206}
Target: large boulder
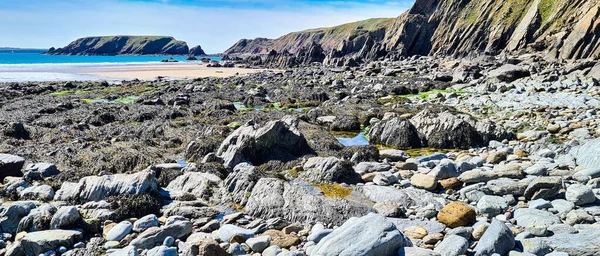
{"x": 12, "y": 213}
{"x": 497, "y": 239}
{"x": 38, "y": 219}
{"x": 301, "y": 202}
{"x": 450, "y": 129}
{"x": 406, "y": 198}
{"x": 508, "y": 73}
{"x": 240, "y": 182}
{"x": 202, "y": 185}
{"x": 368, "y": 235}
{"x": 39, "y": 242}
{"x": 587, "y": 154}
{"x": 96, "y": 188}
{"x": 329, "y": 170}
{"x": 396, "y": 132}
{"x": 11, "y": 165}
{"x": 276, "y": 140}
{"x": 150, "y": 238}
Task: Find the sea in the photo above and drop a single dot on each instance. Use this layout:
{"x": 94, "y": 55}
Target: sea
{"x": 21, "y": 65}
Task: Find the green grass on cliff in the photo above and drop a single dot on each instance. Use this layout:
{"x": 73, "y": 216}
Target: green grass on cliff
{"x": 513, "y": 11}
{"x": 546, "y": 8}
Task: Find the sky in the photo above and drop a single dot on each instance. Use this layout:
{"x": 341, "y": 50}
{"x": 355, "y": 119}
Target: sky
{"x": 214, "y": 24}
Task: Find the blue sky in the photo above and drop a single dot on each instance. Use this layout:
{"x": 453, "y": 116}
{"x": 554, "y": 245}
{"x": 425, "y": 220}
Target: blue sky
{"x": 214, "y": 24}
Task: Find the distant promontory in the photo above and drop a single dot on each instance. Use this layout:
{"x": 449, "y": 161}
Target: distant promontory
{"x": 126, "y": 45}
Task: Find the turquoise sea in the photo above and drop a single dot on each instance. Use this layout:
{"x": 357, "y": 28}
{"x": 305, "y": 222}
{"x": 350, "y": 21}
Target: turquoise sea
{"x": 32, "y": 65}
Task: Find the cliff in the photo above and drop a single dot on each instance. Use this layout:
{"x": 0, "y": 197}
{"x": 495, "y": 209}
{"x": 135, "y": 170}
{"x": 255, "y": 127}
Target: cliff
{"x": 560, "y": 29}
{"x": 123, "y": 45}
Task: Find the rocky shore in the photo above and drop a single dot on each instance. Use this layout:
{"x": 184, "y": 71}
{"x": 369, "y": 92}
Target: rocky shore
{"x": 420, "y": 156}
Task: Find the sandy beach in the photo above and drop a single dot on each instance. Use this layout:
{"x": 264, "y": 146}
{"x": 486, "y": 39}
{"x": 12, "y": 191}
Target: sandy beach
{"x": 167, "y": 70}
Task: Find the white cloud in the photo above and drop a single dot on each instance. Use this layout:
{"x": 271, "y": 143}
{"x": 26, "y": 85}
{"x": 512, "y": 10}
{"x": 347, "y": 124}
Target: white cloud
{"x": 215, "y": 28}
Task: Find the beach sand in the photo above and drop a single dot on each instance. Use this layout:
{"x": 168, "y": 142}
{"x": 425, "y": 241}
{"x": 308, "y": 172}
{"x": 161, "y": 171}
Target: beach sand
{"x": 167, "y": 70}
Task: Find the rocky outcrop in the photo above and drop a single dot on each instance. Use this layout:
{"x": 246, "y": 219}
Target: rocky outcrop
{"x": 197, "y": 51}
{"x": 560, "y": 29}
{"x": 124, "y": 45}
{"x": 276, "y": 140}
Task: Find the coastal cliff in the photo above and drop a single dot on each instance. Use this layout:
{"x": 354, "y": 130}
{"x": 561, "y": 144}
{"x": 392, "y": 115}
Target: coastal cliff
{"x": 560, "y": 29}
{"x": 124, "y": 45}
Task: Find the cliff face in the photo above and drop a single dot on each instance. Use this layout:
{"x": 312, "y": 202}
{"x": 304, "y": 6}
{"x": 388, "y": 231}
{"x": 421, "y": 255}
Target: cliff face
{"x": 563, "y": 29}
{"x": 124, "y": 45}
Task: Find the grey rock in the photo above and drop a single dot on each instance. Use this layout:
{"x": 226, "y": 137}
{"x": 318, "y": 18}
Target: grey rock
{"x": 537, "y": 169}
{"x": 505, "y": 186}
{"x": 127, "y": 251}
{"x": 226, "y": 232}
{"x": 526, "y": 217}
{"x": 240, "y": 182}
{"x": 431, "y": 226}
{"x": 96, "y": 188}
{"x": 162, "y": 251}
{"x": 66, "y": 217}
{"x": 579, "y": 217}
{"x": 12, "y": 213}
{"x": 38, "y": 219}
{"x": 39, "y": 192}
{"x": 393, "y": 155}
{"x": 276, "y": 140}
{"x": 11, "y": 165}
{"x": 369, "y": 235}
{"x": 407, "y": 198}
{"x": 329, "y": 170}
{"x": 508, "y": 73}
{"x": 452, "y": 245}
{"x": 119, "y": 231}
{"x": 395, "y": 132}
{"x": 370, "y": 167}
{"x": 445, "y": 169}
{"x": 586, "y": 155}
{"x": 416, "y": 251}
{"x": 272, "y": 250}
{"x": 259, "y": 244}
{"x": 586, "y": 174}
{"x": 199, "y": 184}
{"x": 583, "y": 243}
{"x": 543, "y": 187}
{"x": 580, "y": 194}
{"x": 40, "y": 171}
{"x": 385, "y": 179}
{"x": 317, "y": 235}
{"x": 300, "y": 202}
{"x": 41, "y": 241}
{"x": 562, "y": 205}
{"x": 149, "y": 239}
{"x": 145, "y": 223}
{"x": 497, "y": 239}
{"x": 535, "y": 246}
{"x": 540, "y": 204}
{"x": 491, "y": 206}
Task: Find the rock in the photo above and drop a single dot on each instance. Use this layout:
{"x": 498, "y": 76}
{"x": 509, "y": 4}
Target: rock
{"x": 96, "y": 188}
{"x": 388, "y": 209}
{"x": 452, "y": 245}
{"x": 282, "y": 240}
{"x": 206, "y": 247}
{"x": 445, "y": 169}
{"x": 416, "y": 251}
{"x": 226, "y": 232}
{"x": 196, "y": 183}
{"x": 276, "y": 140}
{"x": 10, "y": 165}
{"x": 396, "y": 132}
{"x": 152, "y": 237}
{"x": 415, "y": 232}
{"x": 40, "y": 171}
{"x": 393, "y": 155}
{"x": 329, "y": 170}
{"x": 41, "y": 241}
{"x": 443, "y": 128}
{"x": 162, "y": 251}
{"x": 580, "y": 194}
{"x": 345, "y": 123}
{"x": 127, "y": 251}
{"x": 12, "y": 213}
{"x": 586, "y": 155}
{"x": 240, "y": 182}
{"x": 527, "y": 217}
{"x": 509, "y": 73}
{"x": 40, "y": 192}
{"x": 423, "y": 181}
{"x": 407, "y": 198}
{"x": 497, "y": 157}
{"x": 579, "y": 217}
{"x": 370, "y": 167}
{"x": 119, "y": 231}
{"x": 407, "y": 166}
{"x": 38, "y": 219}
{"x": 497, "y": 239}
{"x": 543, "y": 188}
{"x": 491, "y": 206}
{"x": 145, "y": 223}
{"x": 66, "y": 217}
{"x": 259, "y": 244}
{"x": 317, "y": 235}
{"x": 385, "y": 179}
{"x": 476, "y": 176}
{"x": 582, "y": 243}
{"x": 297, "y": 202}
{"x": 370, "y": 235}
{"x": 456, "y": 214}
